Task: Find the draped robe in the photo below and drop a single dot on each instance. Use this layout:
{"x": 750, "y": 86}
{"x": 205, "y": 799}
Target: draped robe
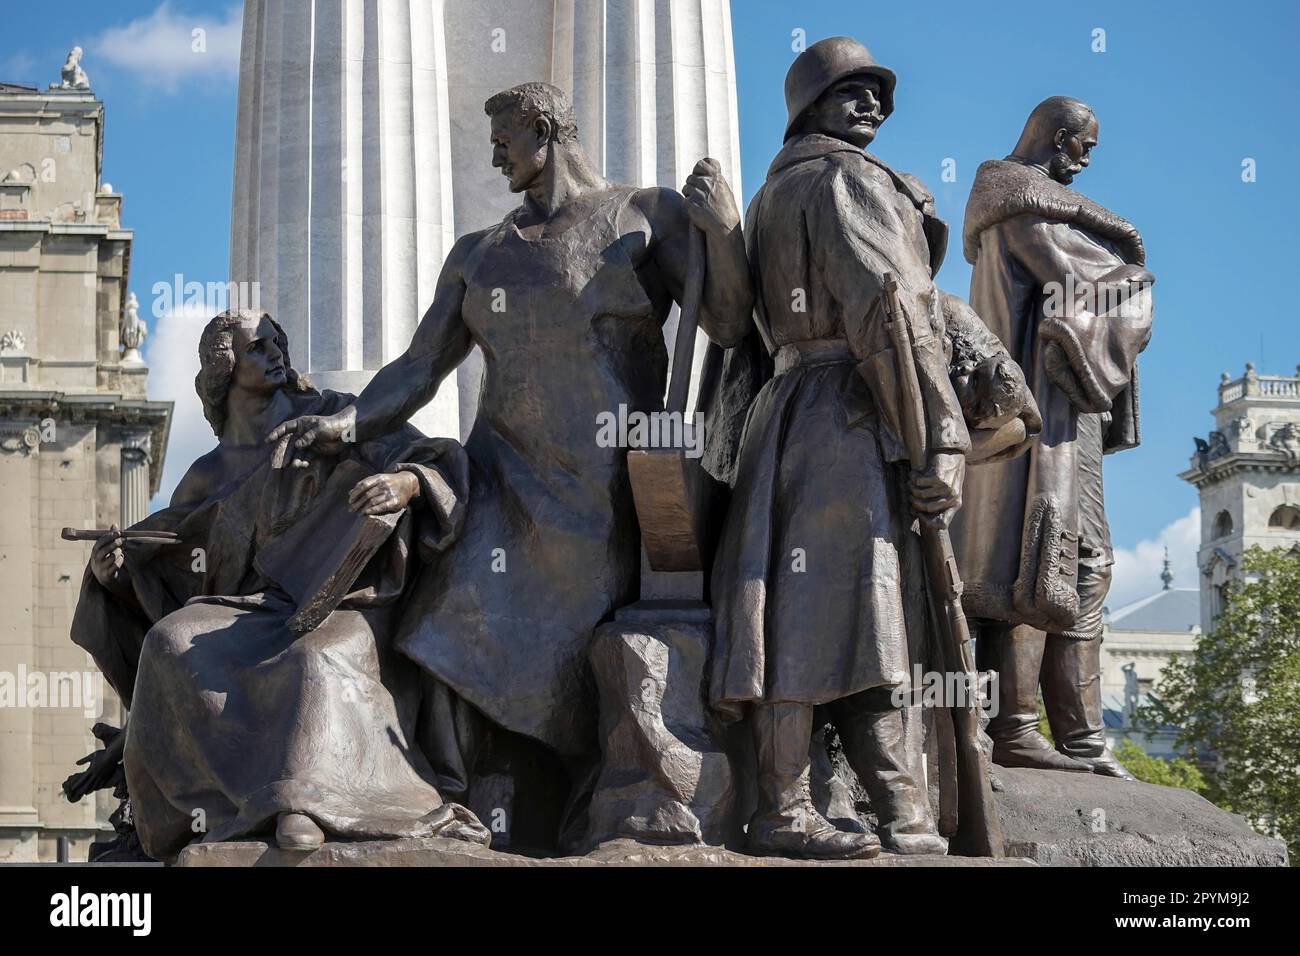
{"x": 1062, "y": 282}
{"x": 235, "y": 718}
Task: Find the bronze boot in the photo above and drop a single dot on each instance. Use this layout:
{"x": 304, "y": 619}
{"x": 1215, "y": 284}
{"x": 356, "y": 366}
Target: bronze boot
{"x": 785, "y": 822}
{"x": 874, "y": 738}
{"x": 1072, "y": 694}
{"x": 1016, "y": 653}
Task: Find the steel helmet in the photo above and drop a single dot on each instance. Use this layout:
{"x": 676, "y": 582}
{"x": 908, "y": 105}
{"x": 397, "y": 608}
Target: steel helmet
{"x": 825, "y": 63}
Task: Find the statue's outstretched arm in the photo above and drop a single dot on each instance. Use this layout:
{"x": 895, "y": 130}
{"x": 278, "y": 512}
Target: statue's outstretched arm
{"x": 441, "y": 342}
{"x": 404, "y": 385}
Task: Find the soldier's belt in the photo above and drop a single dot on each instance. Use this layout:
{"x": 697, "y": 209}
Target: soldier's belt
{"x": 813, "y": 352}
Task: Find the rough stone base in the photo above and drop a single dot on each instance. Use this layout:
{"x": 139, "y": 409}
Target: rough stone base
{"x": 439, "y": 852}
{"x": 665, "y": 775}
{"x": 1080, "y": 819}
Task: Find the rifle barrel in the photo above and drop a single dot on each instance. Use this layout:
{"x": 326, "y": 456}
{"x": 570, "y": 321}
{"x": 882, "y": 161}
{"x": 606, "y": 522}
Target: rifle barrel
{"x": 979, "y": 831}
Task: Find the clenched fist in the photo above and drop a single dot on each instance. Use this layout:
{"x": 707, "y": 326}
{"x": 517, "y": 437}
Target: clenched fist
{"x": 709, "y": 201}
{"x": 108, "y": 562}
{"x": 936, "y": 492}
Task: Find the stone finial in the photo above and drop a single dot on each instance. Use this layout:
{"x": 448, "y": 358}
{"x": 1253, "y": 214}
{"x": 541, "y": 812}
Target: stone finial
{"x": 1167, "y": 575}
{"x": 133, "y": 332}
{"x": 73, "y": 76}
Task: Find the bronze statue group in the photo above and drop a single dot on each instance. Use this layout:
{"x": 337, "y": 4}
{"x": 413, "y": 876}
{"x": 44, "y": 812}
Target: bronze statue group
{"x": 458, "y": 587}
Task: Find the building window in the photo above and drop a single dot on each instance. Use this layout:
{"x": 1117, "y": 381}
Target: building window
{"x": 1285, "y": 518}
{"x": 1222, "y": 525}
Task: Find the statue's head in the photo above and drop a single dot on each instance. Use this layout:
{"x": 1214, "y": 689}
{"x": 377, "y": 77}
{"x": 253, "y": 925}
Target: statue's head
{"x": 836, "y": 87}
{"x": 990, "y": 387}
{"x": 74, "y": 55}
{"x": 992, "y": 391}
{"x": 1059, "y": 136}
{"x": 245, "y": 350}
{"x": 526, "y": 120}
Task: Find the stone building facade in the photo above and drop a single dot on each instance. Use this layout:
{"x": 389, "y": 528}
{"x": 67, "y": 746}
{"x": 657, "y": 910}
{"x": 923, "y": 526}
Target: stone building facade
{"x": 1248, "y": 475}
{"x": 80, "y": 446}
{"x": 1137, "y": 641}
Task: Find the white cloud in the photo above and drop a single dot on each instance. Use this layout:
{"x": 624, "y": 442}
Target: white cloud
{"x": 167, "y": 49}
{"x": 172, "y": 351}
{"x": 1137, "y": 569}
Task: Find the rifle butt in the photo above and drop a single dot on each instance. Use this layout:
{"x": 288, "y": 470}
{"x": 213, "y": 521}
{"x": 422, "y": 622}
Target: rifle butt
{"x": 979, "y": 830}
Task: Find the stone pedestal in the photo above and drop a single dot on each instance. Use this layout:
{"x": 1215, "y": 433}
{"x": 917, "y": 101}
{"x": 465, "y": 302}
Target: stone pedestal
{"x": 1081, "y": 819}
{"x": 1049, "y": 819}
{"x": 618, "y": 853}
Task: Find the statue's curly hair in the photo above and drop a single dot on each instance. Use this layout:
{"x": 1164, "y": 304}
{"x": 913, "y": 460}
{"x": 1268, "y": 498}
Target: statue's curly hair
{"x": 530, "y": 100}
{"x": 217, "y": 363}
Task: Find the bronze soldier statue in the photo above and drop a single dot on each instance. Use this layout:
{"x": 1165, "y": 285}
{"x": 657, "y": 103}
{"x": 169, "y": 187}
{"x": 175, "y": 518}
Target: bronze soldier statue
{"x": 567, "y": 298}
{"x": 1061, "y": 281}
{"x": 818, "y": 588}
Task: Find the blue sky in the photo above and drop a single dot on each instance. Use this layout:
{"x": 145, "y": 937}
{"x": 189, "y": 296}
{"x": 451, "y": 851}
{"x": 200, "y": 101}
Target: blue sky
{"x": 1184, "y": 92}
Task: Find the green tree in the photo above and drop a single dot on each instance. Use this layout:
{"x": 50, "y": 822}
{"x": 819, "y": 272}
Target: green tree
{"x": 1238, "y": 696}
{"x": 1177, "y": 772}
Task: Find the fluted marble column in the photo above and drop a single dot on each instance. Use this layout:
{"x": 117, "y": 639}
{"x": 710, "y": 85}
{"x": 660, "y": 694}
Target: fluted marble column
{"x": 342, "y": 192}
{"x": 134, "y": 483}
{"x": 362, "y": 148}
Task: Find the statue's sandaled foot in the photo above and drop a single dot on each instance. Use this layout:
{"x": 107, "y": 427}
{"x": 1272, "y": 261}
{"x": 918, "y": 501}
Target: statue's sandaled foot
{"x": 297, "y": 831}
{"x": 819, "y": 839}
{"x": 451, "y": 821}
{"x": 1034, "y": 752}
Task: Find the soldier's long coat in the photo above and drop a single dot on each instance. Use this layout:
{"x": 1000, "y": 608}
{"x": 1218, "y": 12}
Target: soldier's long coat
{"x": 817, "y": 585}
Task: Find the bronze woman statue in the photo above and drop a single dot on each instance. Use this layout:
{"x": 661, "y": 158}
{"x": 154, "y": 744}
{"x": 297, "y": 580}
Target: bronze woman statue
{"x": 239, "y": 723}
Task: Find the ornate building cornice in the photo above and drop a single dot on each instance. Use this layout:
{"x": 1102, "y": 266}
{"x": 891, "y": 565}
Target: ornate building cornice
{"x": 1218, "y": 469}
{"x": 22, "y": 411}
